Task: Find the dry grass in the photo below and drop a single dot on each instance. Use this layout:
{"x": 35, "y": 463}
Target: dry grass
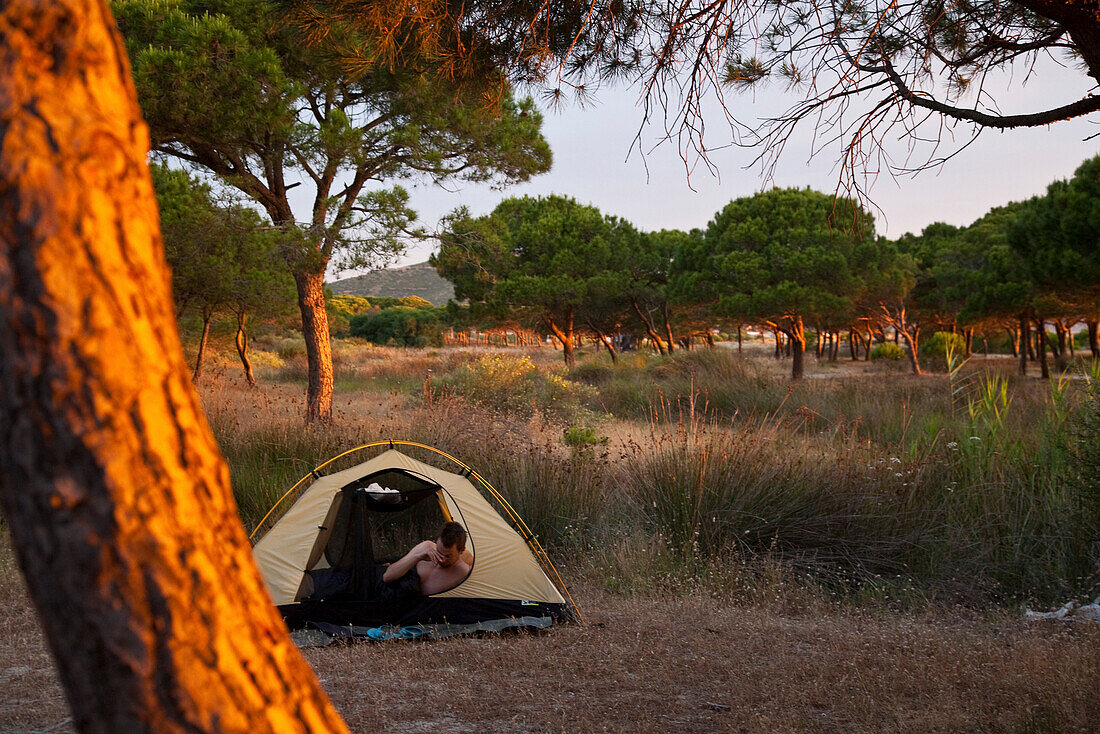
{"x": 688, "y": 663}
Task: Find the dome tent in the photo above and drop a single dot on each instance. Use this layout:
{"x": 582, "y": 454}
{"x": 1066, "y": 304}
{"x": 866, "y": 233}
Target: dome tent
{"x": 322, "y": 560}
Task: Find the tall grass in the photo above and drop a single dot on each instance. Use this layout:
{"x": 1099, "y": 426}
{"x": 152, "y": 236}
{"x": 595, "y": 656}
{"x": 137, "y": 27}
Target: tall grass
{"x": 863, "y": 483}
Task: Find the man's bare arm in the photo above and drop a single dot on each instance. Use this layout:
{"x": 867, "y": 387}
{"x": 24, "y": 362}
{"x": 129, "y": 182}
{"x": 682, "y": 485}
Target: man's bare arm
{"x": 421, "y": 552}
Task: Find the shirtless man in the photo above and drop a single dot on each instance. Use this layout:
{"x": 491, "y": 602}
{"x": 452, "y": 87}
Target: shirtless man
{"x": 441, "y": 564}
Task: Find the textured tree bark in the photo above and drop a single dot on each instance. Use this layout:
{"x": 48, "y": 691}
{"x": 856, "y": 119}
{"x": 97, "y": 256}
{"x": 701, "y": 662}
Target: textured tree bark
{"x": 311, "y": 303}
{"x": 116, "y": 495}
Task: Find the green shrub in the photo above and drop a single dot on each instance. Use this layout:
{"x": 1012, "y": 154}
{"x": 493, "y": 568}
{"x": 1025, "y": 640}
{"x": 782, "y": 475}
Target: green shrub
{"x": 400, "y": 326}
{"x": 514, "y": 385}
{"x": 887, "y": 351}
{"x": 940, "y": 343}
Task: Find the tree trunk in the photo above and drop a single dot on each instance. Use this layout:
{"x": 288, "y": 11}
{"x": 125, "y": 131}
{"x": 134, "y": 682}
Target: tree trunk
{"x": 564, "y": 334}
{"x": 607, "y": 343}
{"x": 1013, "y": 339}
{"x": 739, "y": 338}
{"x": 668, "y": 332}
{"x": 113, "y": 488}
{"x": 1025, "y": 341}
{"x": 852, "y": 345}
{"x": 797, "y": 344}
{"x": 911, "y": 341}
{"x": 1094, "y": 338}
{"x": 311, "y": 303}
{"x": 968, "y": 336}
{"x": 650, "y": 327}
{"x": 1041, "y": 348}
{"x": 1059, "y": 351}
{"x": 242, "y": 349}
{"x": 197, "y": 372}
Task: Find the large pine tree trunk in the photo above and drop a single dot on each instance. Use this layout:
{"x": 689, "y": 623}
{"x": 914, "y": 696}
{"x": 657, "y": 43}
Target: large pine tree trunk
{"x": 116, "y": 496}
{"x": 311, "y": 303}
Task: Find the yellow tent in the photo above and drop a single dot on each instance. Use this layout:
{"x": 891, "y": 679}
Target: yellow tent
{"x": 323, "y": 559}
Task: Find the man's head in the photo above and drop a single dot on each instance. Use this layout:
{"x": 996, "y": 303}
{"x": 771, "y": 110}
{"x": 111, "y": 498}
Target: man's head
{"x": 450, "y": 544}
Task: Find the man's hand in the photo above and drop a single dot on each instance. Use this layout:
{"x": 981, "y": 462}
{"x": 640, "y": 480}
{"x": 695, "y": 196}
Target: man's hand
{"x": 426, "y": 551}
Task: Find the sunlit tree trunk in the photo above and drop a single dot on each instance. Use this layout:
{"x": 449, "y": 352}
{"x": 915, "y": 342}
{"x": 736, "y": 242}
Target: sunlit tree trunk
{"x": 796, "y": 345}
{"x": 242, "y": 348}
{"x": 311, "y": 304}
{"x": 1013, "y": 340}
{"x": 564, "y": 334}
{"x": 116, "y": 496}
{"x": 668, "y": 331}
{"x": 1025, "y": 344}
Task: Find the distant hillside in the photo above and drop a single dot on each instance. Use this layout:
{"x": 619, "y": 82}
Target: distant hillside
{"x": 419, "y": 279}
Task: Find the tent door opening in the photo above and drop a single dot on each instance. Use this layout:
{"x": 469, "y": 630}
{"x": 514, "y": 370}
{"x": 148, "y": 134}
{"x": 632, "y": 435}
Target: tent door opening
{"x": 371, "y": 522}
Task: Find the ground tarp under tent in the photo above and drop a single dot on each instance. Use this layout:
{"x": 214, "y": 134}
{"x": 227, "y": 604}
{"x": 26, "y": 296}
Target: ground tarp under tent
{"x": 323, "y": 559}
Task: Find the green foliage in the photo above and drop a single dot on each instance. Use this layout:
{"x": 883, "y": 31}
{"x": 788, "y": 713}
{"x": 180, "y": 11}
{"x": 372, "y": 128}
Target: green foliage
{"x": 548, "y": 260}
{"x": 579, "y": 437}
{"x": 942, "y": 349}
{"x": 221, "y": 256}
{"x": 400, "y": 326}
{"x": 516, "y": 386}
{"x": 785, "y": 251}
{"x": 887, "y": 351}
{"x": 231, "y": 89}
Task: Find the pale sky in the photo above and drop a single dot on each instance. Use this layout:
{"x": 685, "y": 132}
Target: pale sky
{"x": 593, "y": 164}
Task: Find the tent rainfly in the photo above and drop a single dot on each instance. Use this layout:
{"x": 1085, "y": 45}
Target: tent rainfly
{"x": 323, "y": 559}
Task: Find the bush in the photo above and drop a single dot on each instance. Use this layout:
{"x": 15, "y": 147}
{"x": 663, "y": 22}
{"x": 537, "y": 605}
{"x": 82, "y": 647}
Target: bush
{"x": 887, "y": 351}
{"x": 289, "y": 347}
{"x": 514, "y": 385}
{"x": 400, "y": 326}
{"x": 941, "y": 342}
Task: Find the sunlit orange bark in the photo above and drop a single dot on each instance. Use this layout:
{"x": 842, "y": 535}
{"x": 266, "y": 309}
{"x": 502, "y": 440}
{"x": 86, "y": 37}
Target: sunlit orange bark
{"x": 117, "y": 497}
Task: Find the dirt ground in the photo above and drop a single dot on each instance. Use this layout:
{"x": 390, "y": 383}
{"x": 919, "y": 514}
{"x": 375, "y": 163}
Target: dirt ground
{"x": 674, "y": 664}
